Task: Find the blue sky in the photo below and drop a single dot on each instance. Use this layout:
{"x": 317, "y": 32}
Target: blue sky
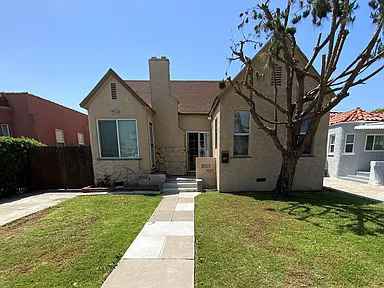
{"x": 59, "y": 49}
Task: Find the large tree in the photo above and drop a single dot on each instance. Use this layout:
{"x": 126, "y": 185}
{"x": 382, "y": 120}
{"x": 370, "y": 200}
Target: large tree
{"x": 303, "y": 106}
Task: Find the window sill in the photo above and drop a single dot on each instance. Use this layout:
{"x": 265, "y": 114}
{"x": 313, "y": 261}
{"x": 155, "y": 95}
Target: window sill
{"x": 117, "y": 159}
{"x": 347, "y": 154}
{"x": 331, "y": 155}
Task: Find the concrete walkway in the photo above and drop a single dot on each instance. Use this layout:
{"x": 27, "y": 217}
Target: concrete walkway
{"x": 18, "y": 208}
{"x": 162, "y": 255}
{"x": 359, "y": 189}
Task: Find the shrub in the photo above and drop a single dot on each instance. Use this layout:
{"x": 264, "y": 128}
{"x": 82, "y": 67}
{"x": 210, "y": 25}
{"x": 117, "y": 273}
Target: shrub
{"x": 14, "y": 162}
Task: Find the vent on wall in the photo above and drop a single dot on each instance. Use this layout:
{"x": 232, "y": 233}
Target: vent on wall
{"x": 276, "y": 76}
{"x": 113, "y": 91}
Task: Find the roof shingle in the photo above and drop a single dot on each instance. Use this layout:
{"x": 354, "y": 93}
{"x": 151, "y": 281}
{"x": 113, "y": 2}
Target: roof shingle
{"x": 194, "y": 96}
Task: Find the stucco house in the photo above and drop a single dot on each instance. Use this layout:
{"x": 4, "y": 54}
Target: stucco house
{"x": 141, "y": 126}
{"x": 355, "y": 144}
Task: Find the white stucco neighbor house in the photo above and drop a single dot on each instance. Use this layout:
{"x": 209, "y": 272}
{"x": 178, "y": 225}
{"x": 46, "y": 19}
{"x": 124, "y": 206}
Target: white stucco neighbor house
{"x": 356, "y": 146}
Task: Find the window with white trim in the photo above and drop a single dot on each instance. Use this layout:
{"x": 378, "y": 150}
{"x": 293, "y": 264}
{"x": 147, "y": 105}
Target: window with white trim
{"x": 332, "y": 140}
{"x": 241, "y": 133}
{"x": 4, "y": 130}
{"x": 349, "y": 143}
{"x": 118, "y": 139}
{"x": 59, "y": 133}
{"x": 80, "y": 138}
{"x": 374, "y": 143}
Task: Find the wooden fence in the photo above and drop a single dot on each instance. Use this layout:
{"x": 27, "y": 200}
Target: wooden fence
{"x": 61, "y": 167}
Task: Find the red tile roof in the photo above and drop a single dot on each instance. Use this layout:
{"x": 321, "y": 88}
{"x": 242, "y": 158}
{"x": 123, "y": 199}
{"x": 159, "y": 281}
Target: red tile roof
{"x": 194, "y": 96}
{"x": 357, "y": 114}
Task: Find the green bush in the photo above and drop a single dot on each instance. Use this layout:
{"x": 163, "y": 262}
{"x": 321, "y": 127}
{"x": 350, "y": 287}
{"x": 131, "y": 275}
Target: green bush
{"x": 14, "y": 163}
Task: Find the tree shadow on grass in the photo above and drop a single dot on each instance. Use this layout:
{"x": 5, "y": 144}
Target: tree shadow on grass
{"x": 330, "y": 210}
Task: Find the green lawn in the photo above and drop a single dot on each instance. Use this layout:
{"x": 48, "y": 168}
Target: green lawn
{"x": 74, "y": 244}
{"x": 311, "y": 240}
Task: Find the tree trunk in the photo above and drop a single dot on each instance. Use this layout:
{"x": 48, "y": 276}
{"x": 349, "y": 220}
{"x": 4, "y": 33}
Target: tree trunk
{"x": 287, "y": 173}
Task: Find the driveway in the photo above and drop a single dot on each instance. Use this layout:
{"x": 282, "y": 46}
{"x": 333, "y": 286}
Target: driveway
{"x": 13, "y": 209}
{"x": 373, "y": 192}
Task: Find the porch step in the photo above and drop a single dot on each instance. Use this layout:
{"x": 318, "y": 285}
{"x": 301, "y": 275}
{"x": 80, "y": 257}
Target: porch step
{"x": 363, "y": 174}
{"x": 180, "y": 184}
{"x": 356, "y": 178}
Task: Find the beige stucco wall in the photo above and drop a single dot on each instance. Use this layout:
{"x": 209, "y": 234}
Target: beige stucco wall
{"x": 170, "y": 138}
{"x": 102, "y": 106}
{"x": 206, "y": 170}
{"x": 264, "y": 160}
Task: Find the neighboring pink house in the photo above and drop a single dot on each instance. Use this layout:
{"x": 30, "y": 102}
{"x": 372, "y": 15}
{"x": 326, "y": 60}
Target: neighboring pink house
{"x": 24, "y": 114}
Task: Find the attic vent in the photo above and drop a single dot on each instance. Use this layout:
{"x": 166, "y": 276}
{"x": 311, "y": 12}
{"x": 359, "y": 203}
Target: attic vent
{"x": 113, "y": 91}
{"x": 276, "y": 75}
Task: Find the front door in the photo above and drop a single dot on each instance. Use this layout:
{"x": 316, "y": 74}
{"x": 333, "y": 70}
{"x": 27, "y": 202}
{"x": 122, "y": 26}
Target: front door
{"x": 197, "y": 146}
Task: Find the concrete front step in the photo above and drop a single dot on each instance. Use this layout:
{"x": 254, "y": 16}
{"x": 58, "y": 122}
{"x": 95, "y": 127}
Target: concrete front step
{"x": 363, "y": 174}
{"x": 180, "y": 189}
{"x": 355, "y": 179}
{"x": 180, "y": 185}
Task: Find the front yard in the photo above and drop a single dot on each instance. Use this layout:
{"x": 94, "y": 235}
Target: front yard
{"x": 75, "y": 244}
{"x": 312, "y": 240}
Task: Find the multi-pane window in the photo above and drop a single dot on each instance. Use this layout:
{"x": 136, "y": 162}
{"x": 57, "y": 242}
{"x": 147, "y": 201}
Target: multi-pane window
{"x": 303, "y": 132}
{"x": 241, "y": 133}
{"x": 349, "y": 143}
{"x": 80, "y": 138}
{"x": 374, "y": 143}
{"x": 118, "y": 139}
{"x": 331, "y": 147}
{"x": 4, "y": 130}
{"x": 59, "y": 134}
{"x": 113, "y": 91}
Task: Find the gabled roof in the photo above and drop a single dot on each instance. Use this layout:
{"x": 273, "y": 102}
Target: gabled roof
{"x": 194, "y": 96}
{"x": 266, "y": 45}
{"x": 109, "y": 73}
{"x": 354, "y": 115}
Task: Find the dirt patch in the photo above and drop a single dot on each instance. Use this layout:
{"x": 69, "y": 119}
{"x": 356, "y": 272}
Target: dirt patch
{"x": 298, "y": 277}
{"x": 19, "y": 225}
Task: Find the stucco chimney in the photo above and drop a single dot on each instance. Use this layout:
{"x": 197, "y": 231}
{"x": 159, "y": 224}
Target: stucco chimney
{"x": 159, "y": 78}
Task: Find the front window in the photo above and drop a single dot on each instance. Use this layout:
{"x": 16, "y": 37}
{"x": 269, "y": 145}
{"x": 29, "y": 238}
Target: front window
{"x": 305, "y": 125}
{"x": 349, "y": 143}
{"x": 241, "y": 133}
{"x": 331, "y": 147}
{"x": 374, "y": 143}
{"x": 118, "y": 139}
{"x": 4, "y": 130}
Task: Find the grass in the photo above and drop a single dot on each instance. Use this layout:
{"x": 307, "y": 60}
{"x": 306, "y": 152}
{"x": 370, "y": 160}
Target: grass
{"x": 74, "y": 244}
{"x": 310, "y": 240}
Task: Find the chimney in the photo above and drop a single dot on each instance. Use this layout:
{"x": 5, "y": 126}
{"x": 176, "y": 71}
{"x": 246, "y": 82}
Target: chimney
{"x": 159, "y": 78}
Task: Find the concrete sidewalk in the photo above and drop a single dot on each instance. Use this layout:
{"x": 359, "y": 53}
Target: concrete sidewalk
{"x": 162, "y": 255}
{"x": 373, "y": 192}
{"x": 18, "y": 208}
